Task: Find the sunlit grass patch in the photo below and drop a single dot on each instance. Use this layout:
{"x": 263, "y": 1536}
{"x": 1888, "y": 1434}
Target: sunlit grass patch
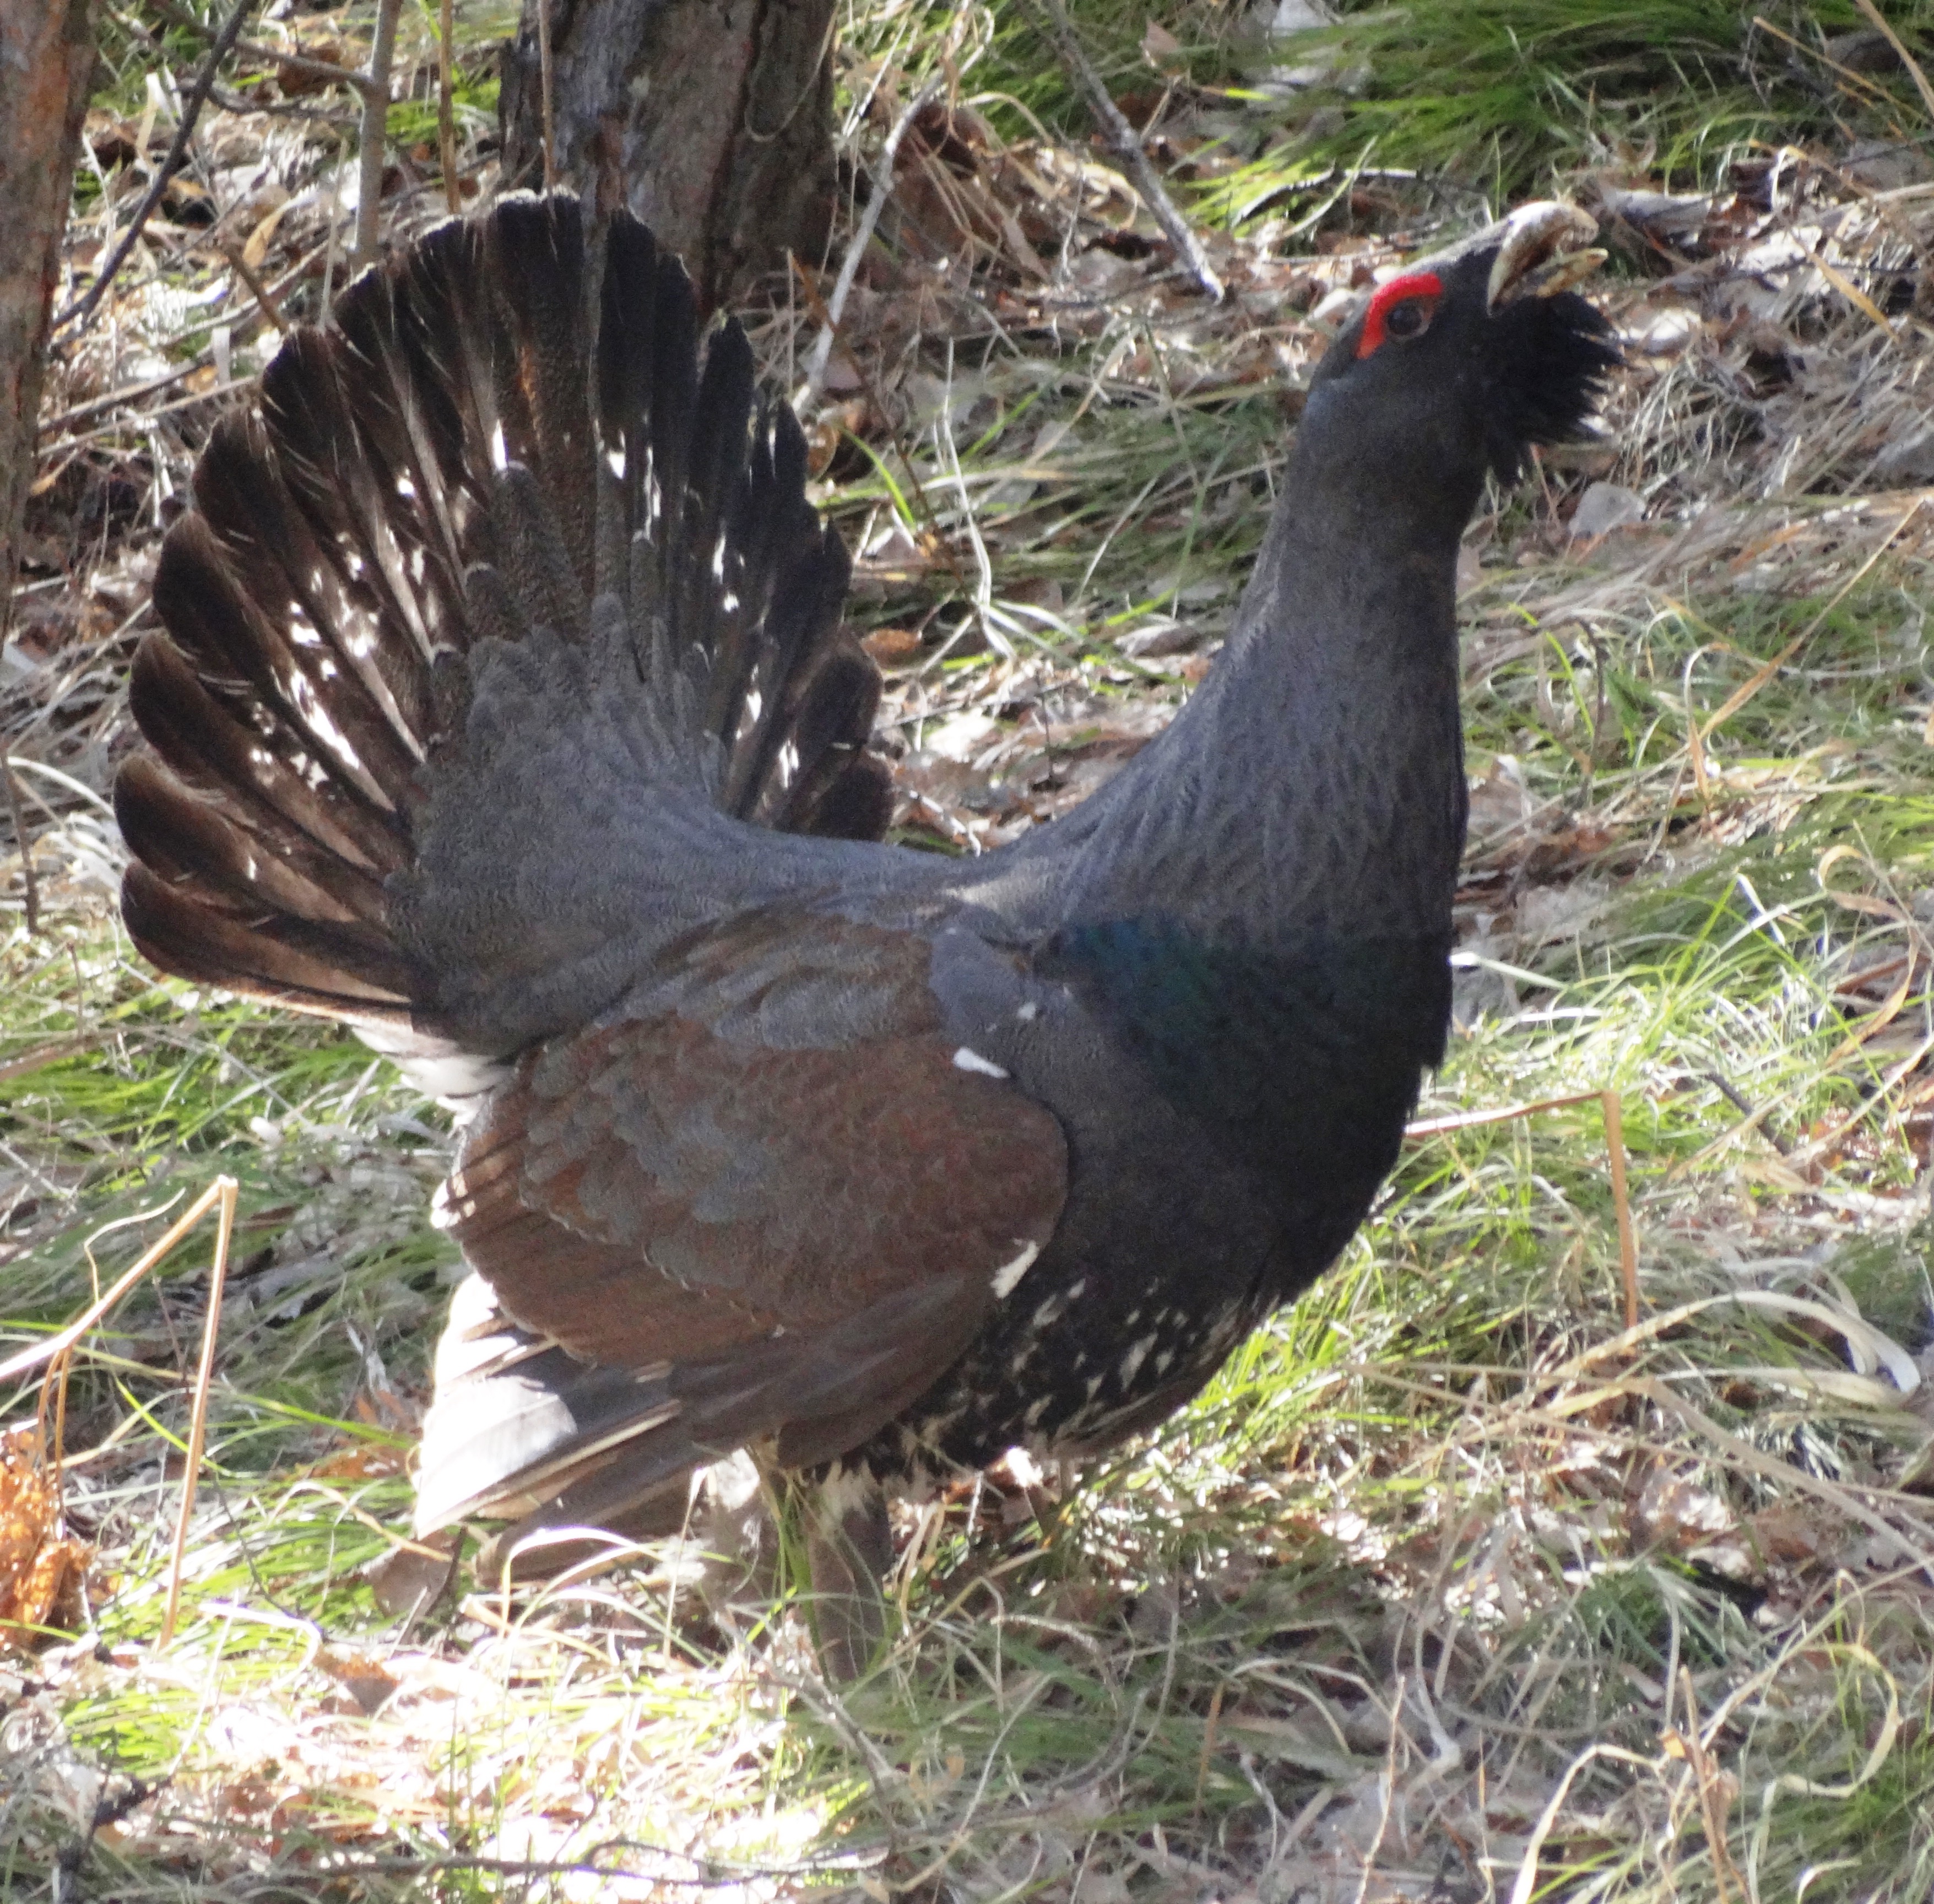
{"x": 1503, "y": 96}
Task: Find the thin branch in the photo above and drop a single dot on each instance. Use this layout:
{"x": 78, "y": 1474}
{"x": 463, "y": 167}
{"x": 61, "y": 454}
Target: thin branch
{"x": 862, "y": 236}
{"x": 204, "y": 78}
{"x": 375, "y": 135}
{"x": 446, "y": 106}
{"x": 64, "y": 445}
{"x": 1126, "y": 145}
{"x": 546, "y": 95}
{"x": 265, "y": 298}
{"x": 306, "y": 64}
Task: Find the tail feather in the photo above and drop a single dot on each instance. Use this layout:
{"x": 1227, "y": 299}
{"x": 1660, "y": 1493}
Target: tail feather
{"x": 189, "y": 842}
{"x": 332, "y": 504}
{"x": 533, "y": 276}
{"x": 288, "y": 663}
{"x": 533, "y": 558}
{"x": 211, "y": 752}
{"x": 835, "y": 794}
{"x": 333, "y": 970}
{"x": 456, "y": 458}
{"x": 376, "y": 432}
{"x": 648, "y": 389}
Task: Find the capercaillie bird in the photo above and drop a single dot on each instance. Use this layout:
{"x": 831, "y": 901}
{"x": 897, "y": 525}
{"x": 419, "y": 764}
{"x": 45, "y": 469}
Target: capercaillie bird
{"x": 504, "y": 712}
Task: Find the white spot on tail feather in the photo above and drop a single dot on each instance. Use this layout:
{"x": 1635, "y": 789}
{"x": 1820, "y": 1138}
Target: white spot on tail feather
{"x": 1025, "y": 1467}
{"x": 969, "y": 1059}
{"x": 1008, "y": 1274}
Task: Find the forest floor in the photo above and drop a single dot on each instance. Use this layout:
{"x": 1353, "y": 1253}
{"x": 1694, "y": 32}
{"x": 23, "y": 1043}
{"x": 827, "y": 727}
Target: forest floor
{"x": 1461, "y": 1582}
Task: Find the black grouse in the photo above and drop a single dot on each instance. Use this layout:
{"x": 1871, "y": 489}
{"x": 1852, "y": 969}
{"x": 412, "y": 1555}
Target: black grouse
{"x": 504, "y": 712}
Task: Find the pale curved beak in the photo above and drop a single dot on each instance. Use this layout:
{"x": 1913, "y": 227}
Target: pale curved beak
{"x": 1546, "y": 248}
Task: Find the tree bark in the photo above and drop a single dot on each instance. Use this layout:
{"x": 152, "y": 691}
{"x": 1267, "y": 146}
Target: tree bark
{"x": 711, "y": 119}
{"x": 47, "y": 65}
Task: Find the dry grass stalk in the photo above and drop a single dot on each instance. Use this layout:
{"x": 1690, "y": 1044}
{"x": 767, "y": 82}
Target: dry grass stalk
{"x": 224, "y": 1189}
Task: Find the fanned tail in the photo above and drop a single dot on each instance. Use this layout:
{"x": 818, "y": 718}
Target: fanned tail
{"x": 461, "y": 454}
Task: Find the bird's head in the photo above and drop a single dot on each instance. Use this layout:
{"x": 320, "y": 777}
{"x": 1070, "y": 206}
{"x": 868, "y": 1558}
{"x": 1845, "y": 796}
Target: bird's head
{"x": 1464, "y": 359}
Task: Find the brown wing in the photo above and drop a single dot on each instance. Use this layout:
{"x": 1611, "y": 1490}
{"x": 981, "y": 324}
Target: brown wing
{"x": 767, "y": 1187}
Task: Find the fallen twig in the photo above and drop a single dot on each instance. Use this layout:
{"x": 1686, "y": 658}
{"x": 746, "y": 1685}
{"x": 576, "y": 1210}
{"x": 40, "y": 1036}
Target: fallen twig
{"x": 374, "y": 136}
{"x": 204, "y": 78}
{"x": 1127, "y": 146}
{"x": 862, "y": 236}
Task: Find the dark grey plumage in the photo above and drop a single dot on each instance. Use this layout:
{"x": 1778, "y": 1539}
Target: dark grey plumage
{"x": 504, "y": 712}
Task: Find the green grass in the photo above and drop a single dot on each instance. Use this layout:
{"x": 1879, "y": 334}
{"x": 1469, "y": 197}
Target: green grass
{"x": 1432, "y": 101}
{"x": 1502, "y": 92}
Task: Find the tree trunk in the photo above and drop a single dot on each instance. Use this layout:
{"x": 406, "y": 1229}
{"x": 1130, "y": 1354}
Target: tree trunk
{"x": 711, "y": 119}
{"x": 46, "y": 64}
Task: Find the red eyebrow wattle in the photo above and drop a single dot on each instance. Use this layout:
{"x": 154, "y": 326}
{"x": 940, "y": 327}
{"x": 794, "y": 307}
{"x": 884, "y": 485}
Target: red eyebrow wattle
{"x": 1399, "y": 290}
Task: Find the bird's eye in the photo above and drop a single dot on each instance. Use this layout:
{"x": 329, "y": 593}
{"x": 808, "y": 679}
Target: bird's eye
{"x": 1402, "y": 308}
{"x": 1409, "y": 319}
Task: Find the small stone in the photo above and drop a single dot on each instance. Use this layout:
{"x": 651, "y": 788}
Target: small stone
{"x": 1606, "y": 506}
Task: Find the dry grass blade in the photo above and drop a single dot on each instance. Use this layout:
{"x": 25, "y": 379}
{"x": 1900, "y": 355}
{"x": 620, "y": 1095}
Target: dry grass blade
{"x": 1744, "y": 693}
{"x": 1615, "y": 1146}
{"x": 1421, "y": 1128}
{"x": 1906, "y": 59}
{"x": 220, "y": 1193}
{"x": 223, "y": 1189}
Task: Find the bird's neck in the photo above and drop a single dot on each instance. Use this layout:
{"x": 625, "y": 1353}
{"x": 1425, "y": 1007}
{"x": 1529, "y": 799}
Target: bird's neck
{"x": 1314, "y": 785}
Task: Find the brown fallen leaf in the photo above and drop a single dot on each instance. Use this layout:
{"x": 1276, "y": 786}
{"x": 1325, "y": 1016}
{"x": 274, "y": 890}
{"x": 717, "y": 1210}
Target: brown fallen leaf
{"x": 408, "y": 1580}
{"x": 40, "y": 1569}
{"x": 366, "y": 1678}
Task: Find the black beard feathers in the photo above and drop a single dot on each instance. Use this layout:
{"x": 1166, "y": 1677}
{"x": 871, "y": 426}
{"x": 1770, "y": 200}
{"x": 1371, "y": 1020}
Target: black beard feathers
{"x": 1558, "y": 352}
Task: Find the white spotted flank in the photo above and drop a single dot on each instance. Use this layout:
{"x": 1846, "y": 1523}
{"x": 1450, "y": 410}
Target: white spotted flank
{"x": 969, "y": 1059}
{"x": 1008, "y": 1274}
